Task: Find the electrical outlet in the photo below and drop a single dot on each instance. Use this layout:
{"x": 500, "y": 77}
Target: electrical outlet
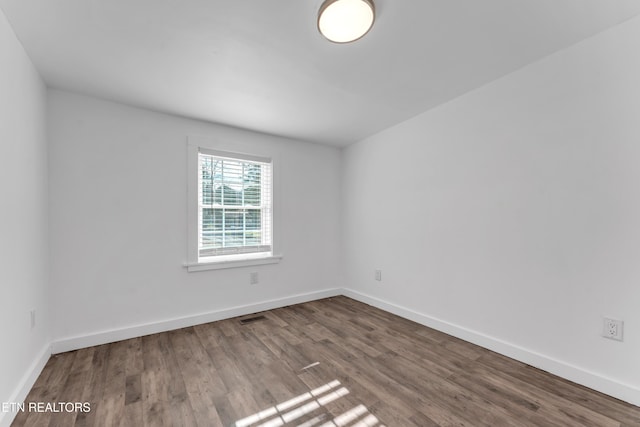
{"x": 379, "y": 275}
{"x": 612, "y": 329}
{"x": 32, "y": 313}
{"x": 253, "y": 278}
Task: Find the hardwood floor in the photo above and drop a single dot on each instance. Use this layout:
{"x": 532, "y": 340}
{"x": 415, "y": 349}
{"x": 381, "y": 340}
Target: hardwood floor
{"x": 332, "y": 362}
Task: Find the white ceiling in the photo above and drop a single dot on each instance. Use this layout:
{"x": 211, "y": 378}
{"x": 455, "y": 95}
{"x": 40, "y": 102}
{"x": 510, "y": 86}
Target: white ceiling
{"x": 262, "y": 65}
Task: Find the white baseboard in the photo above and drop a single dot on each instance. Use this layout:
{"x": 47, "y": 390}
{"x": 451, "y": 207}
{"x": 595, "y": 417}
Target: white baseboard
{"x": 105, "y": 337}
{"x": 611, "y": 387}
{"x": 25, "y": 385}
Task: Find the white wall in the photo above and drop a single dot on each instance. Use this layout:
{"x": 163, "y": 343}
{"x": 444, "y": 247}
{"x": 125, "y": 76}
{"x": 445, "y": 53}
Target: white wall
{"x": 118, "y": 211}
{"x": 23, "y": 220}
{"x": 511, "y": 215}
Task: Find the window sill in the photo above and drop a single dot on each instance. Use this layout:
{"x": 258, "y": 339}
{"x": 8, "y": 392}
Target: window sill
{"x": 235, "y": 263}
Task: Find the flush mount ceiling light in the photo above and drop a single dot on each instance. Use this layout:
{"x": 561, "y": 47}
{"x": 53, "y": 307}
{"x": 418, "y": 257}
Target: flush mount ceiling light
{"x": 344, "y": 21}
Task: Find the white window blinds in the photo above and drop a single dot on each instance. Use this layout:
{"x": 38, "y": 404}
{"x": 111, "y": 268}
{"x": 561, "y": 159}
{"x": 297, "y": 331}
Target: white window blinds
{"x": 234, "y": 204}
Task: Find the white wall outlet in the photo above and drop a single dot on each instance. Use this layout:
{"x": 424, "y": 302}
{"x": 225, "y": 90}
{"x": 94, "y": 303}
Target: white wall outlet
{"x": 253, "y": 278}
{"x": 32, "y": 313}
{"x": 612, "y": 329}
{"x": 379, "y": 275}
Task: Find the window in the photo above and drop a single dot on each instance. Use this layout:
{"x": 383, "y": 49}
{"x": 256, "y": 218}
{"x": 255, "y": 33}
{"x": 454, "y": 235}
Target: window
{"x": 234, "y": 205}
{"x": 231, "y": 224}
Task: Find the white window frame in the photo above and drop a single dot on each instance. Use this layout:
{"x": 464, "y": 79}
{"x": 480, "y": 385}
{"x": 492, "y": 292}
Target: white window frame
{"x": 195, "y": 263}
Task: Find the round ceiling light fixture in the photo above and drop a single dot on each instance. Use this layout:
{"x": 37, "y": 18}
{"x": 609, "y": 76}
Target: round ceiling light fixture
{"x": 344, "y": 21}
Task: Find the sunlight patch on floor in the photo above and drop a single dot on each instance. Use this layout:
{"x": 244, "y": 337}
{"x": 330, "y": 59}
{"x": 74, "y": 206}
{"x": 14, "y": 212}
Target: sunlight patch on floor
{"x": 293, "y": 411}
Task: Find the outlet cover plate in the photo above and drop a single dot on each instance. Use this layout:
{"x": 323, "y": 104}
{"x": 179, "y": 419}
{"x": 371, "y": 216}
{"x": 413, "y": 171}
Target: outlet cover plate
{"x": 612, "y": 329}
{"x": 254, "y": 279}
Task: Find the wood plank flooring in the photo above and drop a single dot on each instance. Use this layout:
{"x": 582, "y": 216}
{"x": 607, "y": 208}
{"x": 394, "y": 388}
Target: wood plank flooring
{"x": 333, "y": 362}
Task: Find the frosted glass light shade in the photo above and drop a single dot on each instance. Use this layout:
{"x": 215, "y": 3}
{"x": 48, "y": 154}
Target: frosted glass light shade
{"x": 344, "y": 21}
